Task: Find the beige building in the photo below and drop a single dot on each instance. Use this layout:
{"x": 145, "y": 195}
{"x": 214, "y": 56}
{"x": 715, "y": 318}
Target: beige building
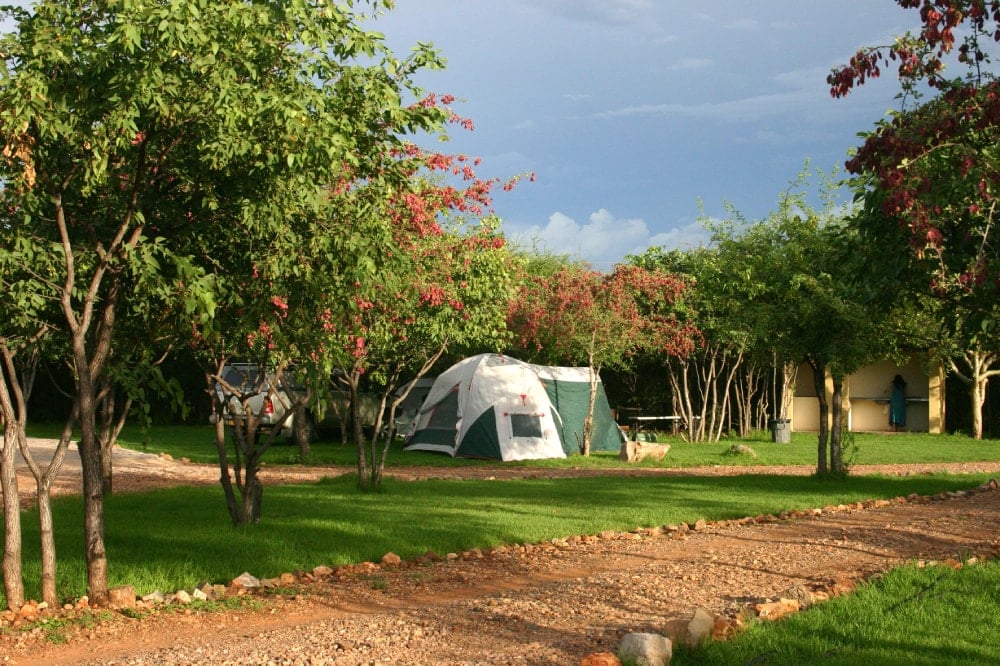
{"x": 866, "y": 398}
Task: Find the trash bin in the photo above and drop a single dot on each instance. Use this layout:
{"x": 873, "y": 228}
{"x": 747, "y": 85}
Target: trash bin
{"x": 781, "y": 431}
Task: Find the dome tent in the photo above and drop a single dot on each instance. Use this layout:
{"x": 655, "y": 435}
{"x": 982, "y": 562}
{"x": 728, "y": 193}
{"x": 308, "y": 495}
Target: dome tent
{"x": 497, "y": 407}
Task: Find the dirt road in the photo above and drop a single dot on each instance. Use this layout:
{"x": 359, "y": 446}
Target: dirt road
{"x": 540, "y": 603}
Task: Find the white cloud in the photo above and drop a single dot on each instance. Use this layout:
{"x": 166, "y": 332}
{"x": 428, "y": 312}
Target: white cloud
{"x": 604, "y": 239}
{"x": 747, "y": 109}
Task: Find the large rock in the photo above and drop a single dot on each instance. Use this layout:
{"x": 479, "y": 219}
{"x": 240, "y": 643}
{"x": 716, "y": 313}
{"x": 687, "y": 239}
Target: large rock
{"x": 700, "y": 627}
{"x": 646, "y": 649}
{"x": 121, "y": 597}
{"x": 636, "y": 451}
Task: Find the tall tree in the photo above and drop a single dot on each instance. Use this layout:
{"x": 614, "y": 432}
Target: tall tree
{"x": 927, "y": 177}
{"x": 143, "y": 139}
{"x": 450, "y": 296}
{"x": 576, "y": 314}
{"x": 796, "y": 280}
{"x": 26, "y": 336}
{"x": 702, "y": 382}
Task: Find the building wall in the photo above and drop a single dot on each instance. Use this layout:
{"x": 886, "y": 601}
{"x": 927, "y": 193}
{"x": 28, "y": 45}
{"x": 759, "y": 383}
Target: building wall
{"x": 867, "y": 394}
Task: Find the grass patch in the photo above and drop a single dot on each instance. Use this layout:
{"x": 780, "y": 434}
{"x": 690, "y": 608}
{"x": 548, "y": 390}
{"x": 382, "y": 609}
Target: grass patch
{"x": 170, "y": 539}
{"x": 909, "y": 617}
{"x": 197, "y": 444}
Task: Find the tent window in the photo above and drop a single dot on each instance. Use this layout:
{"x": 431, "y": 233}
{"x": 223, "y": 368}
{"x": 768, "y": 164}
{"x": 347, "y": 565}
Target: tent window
{"x": 445, "y": 412}
{"x": 525, "y": 425}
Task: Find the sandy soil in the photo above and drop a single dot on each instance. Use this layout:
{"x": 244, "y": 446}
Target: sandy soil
{"x": 533, "y": 603}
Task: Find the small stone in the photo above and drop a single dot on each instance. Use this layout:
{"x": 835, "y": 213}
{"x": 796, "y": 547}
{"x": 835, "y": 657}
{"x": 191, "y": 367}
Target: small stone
{"x": 775, "y": 609}
{"x": 246, "y": 581}
{"x": 121, "y": 597}
{"x": 646, "y": 649}
{"x": 391, "y": 559}
{"x": 288, "y": 579}
{"x": 800, "y": 593}
{"x": 321, "y": 571}
{"x": 199, "y": 595}
{"x": 700, "y": 525}
{"x": 723, "y": 628}
{"x": 153, "y": 598}
{"x": 699, "y": 628}
{"x": 182, "y": 597}
{"x": 600, "y": 659}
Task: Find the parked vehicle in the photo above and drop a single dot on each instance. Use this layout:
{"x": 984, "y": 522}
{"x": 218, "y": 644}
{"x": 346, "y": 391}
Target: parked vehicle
{"x": 270, "y": 404}
{"x": 248, "y": 390}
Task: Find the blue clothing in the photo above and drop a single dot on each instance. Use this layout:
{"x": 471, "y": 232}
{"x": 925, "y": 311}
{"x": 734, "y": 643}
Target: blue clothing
{"x": 897, "y": 406}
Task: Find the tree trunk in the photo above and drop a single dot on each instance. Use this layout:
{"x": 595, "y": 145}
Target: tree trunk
{"x": 93, "y": 482}
{"x": 981, "y": 368}
{"x": 819, "y": 382}
{"x": 13, "y": 416}
{"x": 789, "y": 377}
{"x": 303, "y": 433}
{"x": 112, "y": 421}
{"x": 837, "y": 412}
{"x": 977, "y": 397}
{"x": 13, "y": 583}
{"x": 225, "y": 478}
{"x": 48, "y": 546}
{"x": 367, "y": 475}
{"x": 253, "y": 494}
{"x": 93, "y": 514}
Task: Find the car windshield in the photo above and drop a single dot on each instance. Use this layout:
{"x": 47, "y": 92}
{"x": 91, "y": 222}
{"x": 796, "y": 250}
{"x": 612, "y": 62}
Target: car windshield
{"x": 241, "y": 377}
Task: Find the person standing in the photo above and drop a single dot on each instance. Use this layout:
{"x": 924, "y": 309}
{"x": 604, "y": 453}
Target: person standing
{"x": 897, "y": 404}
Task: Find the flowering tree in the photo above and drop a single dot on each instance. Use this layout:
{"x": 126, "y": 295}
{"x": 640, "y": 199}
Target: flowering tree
{"x": 576, "y": 314}
{"x": 451, "y": 294}
{"x": 434, "y": 287}
{"x": 216, "y": 128}
{"x": 928, "y": 176}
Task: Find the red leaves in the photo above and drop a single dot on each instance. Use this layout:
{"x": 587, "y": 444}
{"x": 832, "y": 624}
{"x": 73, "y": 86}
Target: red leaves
{"x": 574, "y": 312}
{"x": 923, "y": 60}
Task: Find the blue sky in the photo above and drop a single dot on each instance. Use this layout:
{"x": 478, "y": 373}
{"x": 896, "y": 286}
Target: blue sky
{"x": 631, "y": 112}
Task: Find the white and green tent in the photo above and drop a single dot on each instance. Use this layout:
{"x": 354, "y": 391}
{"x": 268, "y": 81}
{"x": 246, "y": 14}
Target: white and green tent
{"x": 497, "y": 407}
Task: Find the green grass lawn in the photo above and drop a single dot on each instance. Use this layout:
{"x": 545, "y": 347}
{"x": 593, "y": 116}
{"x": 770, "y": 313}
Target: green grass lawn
{"x": 197, "y": 444}
{"x": 170, "y": 539}
{"x": 909, "y": 617}
{"x": 175, "y": 538}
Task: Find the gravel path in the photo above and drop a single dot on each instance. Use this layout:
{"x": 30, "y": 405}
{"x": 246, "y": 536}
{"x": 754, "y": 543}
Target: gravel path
{"x": 545, "y": 603}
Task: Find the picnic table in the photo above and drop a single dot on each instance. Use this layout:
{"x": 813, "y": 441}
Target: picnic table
{"x": 638, "y": 421}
